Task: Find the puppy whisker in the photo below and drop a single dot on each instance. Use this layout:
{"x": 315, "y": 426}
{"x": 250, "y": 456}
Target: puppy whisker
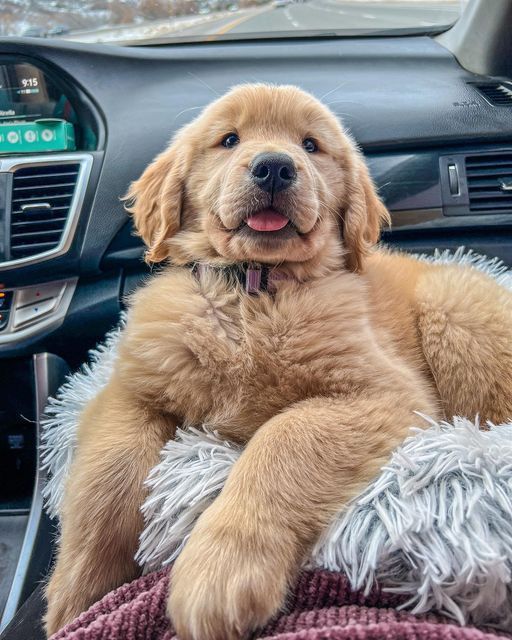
{"x": 204, "y": 83}
{"x": 187, "y": 110}
{"x": 342, "y": 84}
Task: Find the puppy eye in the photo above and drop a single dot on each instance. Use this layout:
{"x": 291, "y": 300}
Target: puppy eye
{"x": 230, "y": 141}
{"x": 309, "y": 145}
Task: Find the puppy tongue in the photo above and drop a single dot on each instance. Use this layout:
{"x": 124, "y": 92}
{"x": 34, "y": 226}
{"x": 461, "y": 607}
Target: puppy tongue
{"x": 267, "y": 220}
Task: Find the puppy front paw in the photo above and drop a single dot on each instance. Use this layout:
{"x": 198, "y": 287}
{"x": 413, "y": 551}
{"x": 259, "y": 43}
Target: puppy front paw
{"x": 226, "y": 584}
{"x": 65, "y": 601}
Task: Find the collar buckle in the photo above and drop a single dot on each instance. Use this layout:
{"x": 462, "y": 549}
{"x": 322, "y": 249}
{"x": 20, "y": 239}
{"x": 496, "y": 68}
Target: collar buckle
{"x": 253, "y": 279}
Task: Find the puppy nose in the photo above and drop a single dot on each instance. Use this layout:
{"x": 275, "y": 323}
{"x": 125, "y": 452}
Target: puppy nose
{"x": 273, "y": 172}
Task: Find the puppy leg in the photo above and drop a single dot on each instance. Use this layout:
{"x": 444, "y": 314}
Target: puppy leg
{"x": 118, "y": 443}
{"x": 465, "y": 323}
{"x": 297, "y": 471}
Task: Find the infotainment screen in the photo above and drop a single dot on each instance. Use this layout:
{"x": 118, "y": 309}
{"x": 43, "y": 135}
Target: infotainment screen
{"x": 35, "y": 114}
{"x": 42, "y": 110}
{"x": 26, "y": 93}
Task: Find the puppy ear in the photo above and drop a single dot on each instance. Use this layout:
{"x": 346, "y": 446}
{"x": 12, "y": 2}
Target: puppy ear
{"x": 155, "y": 201}
{"x": 363, "y": 216}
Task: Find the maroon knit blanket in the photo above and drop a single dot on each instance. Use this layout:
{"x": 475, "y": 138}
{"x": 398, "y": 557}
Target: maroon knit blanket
{"x": 322, "y": 608}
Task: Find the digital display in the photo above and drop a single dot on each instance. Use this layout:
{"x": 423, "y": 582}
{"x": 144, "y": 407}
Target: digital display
{"x": 41, "y": 111}
{"x": 27, "y": 94}
{"x": 29, "y": 82}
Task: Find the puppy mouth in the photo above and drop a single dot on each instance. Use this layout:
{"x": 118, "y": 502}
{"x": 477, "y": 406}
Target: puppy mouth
{"x": 267, "y": 221}
{"x": 268, "y": 224}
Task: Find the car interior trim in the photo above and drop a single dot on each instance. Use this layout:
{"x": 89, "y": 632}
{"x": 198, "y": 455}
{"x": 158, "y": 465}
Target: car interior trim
{"x": 11, "y": 164}
{"x": 26, "y": 319}
{"x": 42, "y": 393}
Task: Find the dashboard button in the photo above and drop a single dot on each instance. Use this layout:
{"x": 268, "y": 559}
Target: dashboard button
{"x": 33, "y": 312}
{"x": 5, "y": 300}
{"x": 31, "y": 295}
{"x": 34, "y": 309}
{"x": 4, "y": 319}
{"x": 453, "y": 180}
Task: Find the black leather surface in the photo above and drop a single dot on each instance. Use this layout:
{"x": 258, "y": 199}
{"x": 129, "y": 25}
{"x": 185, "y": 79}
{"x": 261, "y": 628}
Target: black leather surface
{"x": 26, "y": 624}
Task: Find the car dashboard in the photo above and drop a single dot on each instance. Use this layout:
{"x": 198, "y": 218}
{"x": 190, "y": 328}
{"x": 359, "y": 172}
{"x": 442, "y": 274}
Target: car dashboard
{"x": 437, "y": 138}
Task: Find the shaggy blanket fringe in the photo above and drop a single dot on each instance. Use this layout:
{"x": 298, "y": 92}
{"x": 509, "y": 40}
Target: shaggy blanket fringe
{"x": 435, "y": 526}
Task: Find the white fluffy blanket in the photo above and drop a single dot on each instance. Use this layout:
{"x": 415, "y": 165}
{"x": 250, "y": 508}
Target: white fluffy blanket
{"x": 436, "y": 524}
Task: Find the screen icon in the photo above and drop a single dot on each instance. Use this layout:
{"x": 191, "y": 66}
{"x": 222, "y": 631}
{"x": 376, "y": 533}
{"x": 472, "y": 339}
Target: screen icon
{"x": 47, "y": 135}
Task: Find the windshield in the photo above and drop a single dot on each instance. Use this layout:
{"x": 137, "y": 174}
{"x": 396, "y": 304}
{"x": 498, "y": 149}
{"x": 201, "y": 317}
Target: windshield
{"x": 142, "y": 21}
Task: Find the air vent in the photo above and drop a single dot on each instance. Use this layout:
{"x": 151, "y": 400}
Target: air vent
{"x": 41, "y": 201}
{"x": 498, "y": 94}
{"x": 489, "y": 179}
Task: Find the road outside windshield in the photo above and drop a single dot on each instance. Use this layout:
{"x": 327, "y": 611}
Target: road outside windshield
{"x": 139, "y": 21}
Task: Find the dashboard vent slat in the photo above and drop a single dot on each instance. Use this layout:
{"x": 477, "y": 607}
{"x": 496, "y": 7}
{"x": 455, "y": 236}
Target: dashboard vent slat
{"x": 498, "y": 94}
{"x": 489, "y": 179}
{"x": 31, "y": 223}
{"x": 34, "y": 230}
{"x": 44, "y": 194}
{"x": 49, "y": 187}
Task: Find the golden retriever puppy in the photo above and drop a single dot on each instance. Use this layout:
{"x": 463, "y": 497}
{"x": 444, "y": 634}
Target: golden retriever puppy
{"x": 278, "y": 324}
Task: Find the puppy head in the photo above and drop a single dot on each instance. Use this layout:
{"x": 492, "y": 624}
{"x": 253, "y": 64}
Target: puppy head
{"x": 265, "y": 174}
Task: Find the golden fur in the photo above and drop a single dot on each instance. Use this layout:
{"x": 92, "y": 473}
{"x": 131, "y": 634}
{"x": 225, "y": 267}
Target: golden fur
{"x": 320, "y": 379}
